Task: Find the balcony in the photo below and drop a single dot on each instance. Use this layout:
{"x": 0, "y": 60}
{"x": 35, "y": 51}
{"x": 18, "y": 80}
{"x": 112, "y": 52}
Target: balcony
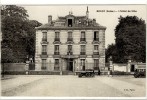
{"x": 44, "y": 55}
{"x": 56, "y": 53}
{"x": 70, "y": 39}
{"x": 44, "y": 41}
{"x": 95, "y": 54}
{"x": 95, "y": 41}
{"x": 43, "y": 68}
{"x": 69, "y": 53}
{"x": 57, "y": 41}
{"x": 82, "y": 53}
{"x": 82, "y": 39}
{"x": 56, "y": 67}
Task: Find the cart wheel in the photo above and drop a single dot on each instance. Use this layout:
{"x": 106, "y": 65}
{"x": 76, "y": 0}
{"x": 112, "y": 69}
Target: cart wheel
{"x": 80, "y": 75}
{"x": 87, "y": 74}
{"x": 92, "y": 75}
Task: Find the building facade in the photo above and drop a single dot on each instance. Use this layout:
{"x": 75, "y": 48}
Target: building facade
{"x": 70, "y": 43}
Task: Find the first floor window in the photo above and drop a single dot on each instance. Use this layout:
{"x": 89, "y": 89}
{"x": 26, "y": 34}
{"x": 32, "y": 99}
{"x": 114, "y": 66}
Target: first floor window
{"x": 96, "y": 62}
{"x": 82, "y": 48}
{"x": 43, "y": 63}
{"x": 95, "y": 47}
{"x": 70, "y": 48}
{"x": 56, "y": 64}
{"x": 83, "y": 64}
{"x": 56, "y": 48}
{"x": 44, "y": 48}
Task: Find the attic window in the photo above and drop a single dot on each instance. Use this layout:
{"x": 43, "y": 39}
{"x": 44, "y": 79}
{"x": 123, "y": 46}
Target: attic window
{"x": 69, "y": 22}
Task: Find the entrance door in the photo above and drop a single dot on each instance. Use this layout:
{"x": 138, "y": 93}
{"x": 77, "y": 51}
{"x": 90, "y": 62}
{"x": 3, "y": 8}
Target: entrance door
{"x": 70, "y": 64}
{"x": 132, "y": 68}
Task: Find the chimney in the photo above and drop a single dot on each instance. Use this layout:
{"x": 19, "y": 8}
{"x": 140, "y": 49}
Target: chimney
{"x": 49, "y": 19}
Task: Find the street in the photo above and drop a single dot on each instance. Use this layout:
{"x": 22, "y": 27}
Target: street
{"x": 72, "y": 86}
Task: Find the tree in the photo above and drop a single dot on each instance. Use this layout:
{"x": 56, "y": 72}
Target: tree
{"x": 111, "y": 51}
{"x": 130, "y": 41}
{"x": 18, "y": 34}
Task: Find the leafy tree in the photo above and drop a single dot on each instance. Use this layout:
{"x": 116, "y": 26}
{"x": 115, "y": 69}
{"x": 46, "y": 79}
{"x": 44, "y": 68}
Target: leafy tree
{"x": 130, "y": 41}
{"x": 18, "y": 34}
{"x": 111, "y": 51}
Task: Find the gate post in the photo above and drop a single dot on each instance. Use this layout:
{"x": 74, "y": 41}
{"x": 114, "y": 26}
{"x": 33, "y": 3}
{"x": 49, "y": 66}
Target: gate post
{"x": 27, "y": 67}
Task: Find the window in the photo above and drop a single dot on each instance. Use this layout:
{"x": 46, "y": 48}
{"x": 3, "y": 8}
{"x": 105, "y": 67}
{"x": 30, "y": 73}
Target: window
{"x": 96, "y": 35}
{"x": 70, "y": 48}
{"x": 69, "y": 34}
{"x": 83, "y": 64}
{"x": 56, "y": 64}
{"x": 43, "y": 63}
{"x": 56, "y": 34}
{"x": 82, "y": 48}
{"x": 95, "y": 47}
{"x": 44, "y": 36}
{"x": 69, "y": 22}
{"x": 44, "y": 48}
{"x": 82, "y": 34}
{"x": 56, "y": 49}
{"x": 96, "y": 63}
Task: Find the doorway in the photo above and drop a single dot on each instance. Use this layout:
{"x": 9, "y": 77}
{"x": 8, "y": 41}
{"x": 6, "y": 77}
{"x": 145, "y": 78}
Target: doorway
{"x": 70, "y": 64}
{"x": 132, "y": 68}
{"x": 69, "y": 22}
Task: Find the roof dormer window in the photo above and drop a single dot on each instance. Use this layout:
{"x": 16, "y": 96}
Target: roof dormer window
{"x": 69, "y": 22}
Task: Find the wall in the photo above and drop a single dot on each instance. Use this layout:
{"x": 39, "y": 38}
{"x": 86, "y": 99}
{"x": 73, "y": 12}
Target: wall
{"x": 120, "y": 67}
{"x": 76, "y": 46}
{"x": 13, "y": 66}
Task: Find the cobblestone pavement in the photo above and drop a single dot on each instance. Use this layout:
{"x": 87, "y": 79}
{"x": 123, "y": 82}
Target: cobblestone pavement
{"x": 72, "y": 86}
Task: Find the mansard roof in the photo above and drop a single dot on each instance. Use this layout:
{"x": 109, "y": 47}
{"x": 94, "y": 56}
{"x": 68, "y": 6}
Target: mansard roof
{"x": 79, "y": 22}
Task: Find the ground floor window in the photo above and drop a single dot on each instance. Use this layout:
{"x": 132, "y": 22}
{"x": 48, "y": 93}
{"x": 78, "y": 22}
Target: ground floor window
{"x": 83, "y": 64}
{"x": 43, "y": 64}
{"x": 96, "y": 63}
{"x": 56, "y": 67}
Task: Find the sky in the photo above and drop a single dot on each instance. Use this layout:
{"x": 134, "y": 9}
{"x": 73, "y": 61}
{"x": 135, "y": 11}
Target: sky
{"x": 105, "y": 15}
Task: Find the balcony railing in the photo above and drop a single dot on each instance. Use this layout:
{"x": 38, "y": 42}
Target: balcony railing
{"x": 56, "y": 67}
{"x": 95, "y": 52}
{"x": 43, "y": 67}
{"x": 96, "y": 39}
{"x": 44, "y": 39}
{"x": 56, "y": 53}
{"x": 69, "y": 53}
{"x": 69, "y": 39}
{"x": 44, "y": 53}
{"x": 57, "y": 39}
{"x": 82, "y": 53}
{"x": 82, "y": 39}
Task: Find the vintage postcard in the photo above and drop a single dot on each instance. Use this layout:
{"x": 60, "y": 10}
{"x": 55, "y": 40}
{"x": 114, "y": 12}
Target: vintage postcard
{"x": 73, "y": 51}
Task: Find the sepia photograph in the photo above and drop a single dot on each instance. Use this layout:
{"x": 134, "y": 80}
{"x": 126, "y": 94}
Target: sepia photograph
{"x": 83, "y": 50}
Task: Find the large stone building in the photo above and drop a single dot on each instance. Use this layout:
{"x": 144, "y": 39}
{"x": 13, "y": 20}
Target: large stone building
{"x": 70, "y": 43}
